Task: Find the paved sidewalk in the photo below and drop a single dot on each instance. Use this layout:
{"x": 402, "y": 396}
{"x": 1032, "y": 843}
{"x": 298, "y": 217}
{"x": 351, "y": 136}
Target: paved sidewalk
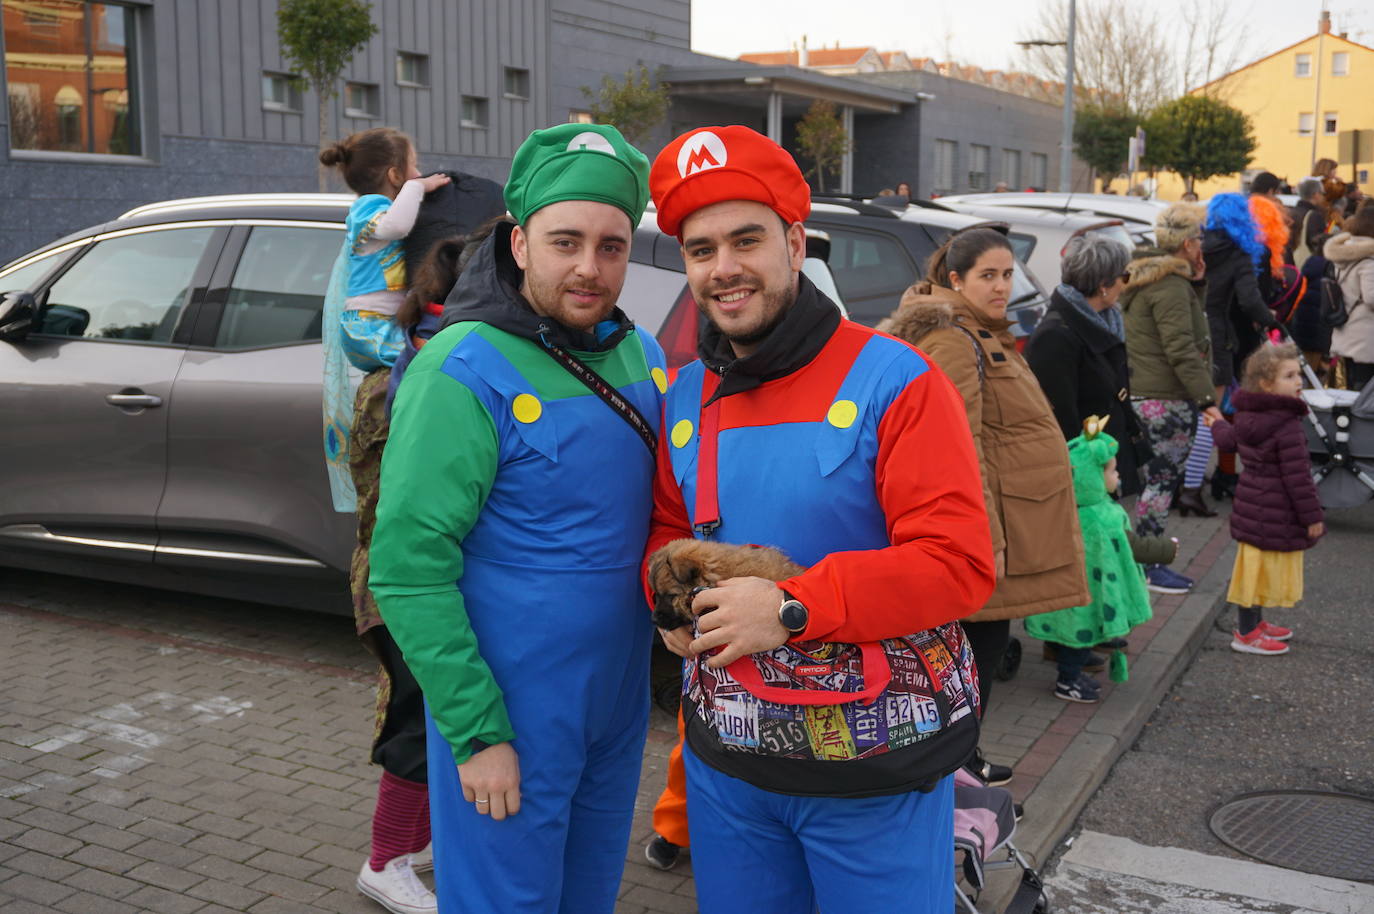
{"x": 171, "y": 754}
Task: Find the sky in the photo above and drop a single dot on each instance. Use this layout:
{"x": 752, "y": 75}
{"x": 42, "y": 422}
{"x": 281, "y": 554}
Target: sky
{"x": 979, "y": 32}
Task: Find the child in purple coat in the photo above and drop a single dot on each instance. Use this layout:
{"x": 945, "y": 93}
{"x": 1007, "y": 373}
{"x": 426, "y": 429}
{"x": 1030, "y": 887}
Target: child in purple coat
{"x": 1277, "y": 512}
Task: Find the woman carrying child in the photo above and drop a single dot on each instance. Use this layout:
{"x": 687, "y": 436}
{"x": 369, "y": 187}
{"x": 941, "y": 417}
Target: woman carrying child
{"x": 1277, "y": 512}
{"x": 380, "y": 166}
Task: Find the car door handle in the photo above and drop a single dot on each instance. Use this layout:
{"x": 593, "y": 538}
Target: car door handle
{"x": 133, "y": 401}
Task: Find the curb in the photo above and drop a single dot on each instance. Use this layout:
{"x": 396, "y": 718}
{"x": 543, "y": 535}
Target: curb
{"x": 1053, "y": 807}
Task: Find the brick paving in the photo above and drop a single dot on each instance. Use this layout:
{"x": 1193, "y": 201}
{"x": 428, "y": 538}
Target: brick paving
{"x": 164, "y": 753}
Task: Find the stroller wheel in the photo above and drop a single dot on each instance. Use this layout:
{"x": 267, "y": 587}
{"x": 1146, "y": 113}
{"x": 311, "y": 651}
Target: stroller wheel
{"x": 1011, "y": 661}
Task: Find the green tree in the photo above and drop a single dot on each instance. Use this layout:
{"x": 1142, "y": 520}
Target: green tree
{"x": 821, "y": 140}
{"x": 318, "y": 39}
{"x": 1100, "y": 138}
{"x": 1198, "y": 137}
{"x": 634, "y": 106}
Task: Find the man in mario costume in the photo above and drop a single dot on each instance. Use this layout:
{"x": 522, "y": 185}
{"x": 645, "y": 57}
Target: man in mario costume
{"x": 516, "y": 490}
{"x": 851, "y": 453}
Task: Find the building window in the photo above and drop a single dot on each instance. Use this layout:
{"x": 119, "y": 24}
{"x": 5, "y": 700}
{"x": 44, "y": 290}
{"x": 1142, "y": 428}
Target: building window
{"x": 1305, "y": 124}
{"x": 1329, "y": 123}
{"x": 474, "y": 111}
{"x": 946, "y": 151}
{"x": 978, "y": 157}
{"x": 1011, "y": 168}
{"x": 517, "y": 83}
{"x": 281, "y": 92}
{"x": 1040, "y": 170}
{"x": 580, "y": 117}
{"x": 361, "y": 100}
{"x": 412, "y": 69}
{"x": 70, "y": 68}
{"x": 1302, "y": 66}
{"x": 1340, "y": 63}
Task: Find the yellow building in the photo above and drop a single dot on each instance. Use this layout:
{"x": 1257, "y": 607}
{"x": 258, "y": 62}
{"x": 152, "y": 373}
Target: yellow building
{"x": 1312, "y": 90}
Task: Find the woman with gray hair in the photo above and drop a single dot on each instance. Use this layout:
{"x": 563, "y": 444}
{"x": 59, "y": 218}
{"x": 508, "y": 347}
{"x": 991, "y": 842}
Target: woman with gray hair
{"x": 1170, "y": 352}
{"x": 1078, "y": 350}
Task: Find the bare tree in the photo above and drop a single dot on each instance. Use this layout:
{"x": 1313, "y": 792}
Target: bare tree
{"x": 1121, "y": 51}
{"x": 1215, "y": 44}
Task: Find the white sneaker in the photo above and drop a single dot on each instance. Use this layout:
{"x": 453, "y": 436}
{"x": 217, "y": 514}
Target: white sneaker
{"x": 422, "y": 861}
{"x": 397, "y": 888}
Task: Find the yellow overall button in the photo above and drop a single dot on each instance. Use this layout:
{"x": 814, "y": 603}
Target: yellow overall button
{"x": 660, "y": 379}
{"x": 526, "y": 408}
{"x": 842, "y": 413}
{"x": 682, "y": 433}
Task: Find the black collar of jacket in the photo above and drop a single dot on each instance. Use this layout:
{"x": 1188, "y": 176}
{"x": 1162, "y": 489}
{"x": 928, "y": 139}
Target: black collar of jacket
{"x": 489, "y": 291}
{"x": 797, "y": 339}
{"x": 1097, "y": 337}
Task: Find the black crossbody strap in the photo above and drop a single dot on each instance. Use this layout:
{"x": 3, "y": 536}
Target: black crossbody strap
{"x": 608, "y": 394}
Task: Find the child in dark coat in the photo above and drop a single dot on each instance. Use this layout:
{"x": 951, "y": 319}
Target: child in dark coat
{"x": 1277, "y": 511}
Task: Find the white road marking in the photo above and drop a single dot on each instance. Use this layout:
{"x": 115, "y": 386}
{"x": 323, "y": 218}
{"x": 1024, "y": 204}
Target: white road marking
{"x": 1102, "y": 873}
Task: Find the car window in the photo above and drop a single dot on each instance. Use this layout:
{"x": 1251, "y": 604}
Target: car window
{"x": 277, "y": 296}
{"x": 1117, "y": 233}
{"x": 1021, "y": 244}
{"x": 27, "y": 278}
{"x": 871, "y": 271}
{"x": 128, "y": 288}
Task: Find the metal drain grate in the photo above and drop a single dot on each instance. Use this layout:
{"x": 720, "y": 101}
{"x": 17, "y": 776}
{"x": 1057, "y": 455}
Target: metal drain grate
{"x": 1329, "y": 834}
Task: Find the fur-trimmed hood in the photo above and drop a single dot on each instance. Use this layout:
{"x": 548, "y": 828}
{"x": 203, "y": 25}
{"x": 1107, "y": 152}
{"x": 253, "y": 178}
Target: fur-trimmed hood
{"x": 1150, "y": 265}
{"x": 1348, "y": 248}
{"x": 926, "y": 307}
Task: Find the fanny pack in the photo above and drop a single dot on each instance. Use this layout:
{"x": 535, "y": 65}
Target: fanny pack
{"x": 830, "y": 719}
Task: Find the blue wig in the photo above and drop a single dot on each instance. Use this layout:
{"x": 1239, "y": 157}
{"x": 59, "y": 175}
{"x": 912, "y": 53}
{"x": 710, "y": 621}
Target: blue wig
{"x": 1231, "y": 214}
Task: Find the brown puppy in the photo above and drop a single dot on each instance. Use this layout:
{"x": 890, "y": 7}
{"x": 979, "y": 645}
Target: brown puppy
{"x": 683, "y": 568}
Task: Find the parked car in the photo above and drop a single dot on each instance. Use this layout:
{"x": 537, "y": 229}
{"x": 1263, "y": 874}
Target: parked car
{"x": 1041, "y": 234}
{"x": 876, "y": 252}
{"x": 1138, "y": 212}
{"x": 160, "y": 392}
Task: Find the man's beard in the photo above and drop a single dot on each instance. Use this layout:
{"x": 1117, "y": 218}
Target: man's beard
{"x": 775, "y": 307}
{"x": 547, "y": 300}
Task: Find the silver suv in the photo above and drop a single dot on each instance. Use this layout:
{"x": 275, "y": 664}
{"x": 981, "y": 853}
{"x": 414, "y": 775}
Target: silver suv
{"x": 160, "y": 397}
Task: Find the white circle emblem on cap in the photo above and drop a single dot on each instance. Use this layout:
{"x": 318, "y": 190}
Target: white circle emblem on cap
{"x": 589, "y": 140}
{"x": 701, "y": 151}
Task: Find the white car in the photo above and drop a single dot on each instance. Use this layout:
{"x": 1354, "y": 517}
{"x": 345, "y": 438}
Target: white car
{"x": 1138, "y": 212}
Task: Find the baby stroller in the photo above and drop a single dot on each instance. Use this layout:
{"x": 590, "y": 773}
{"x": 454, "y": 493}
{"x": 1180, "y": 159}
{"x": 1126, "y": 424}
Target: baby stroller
{"x": 984, "y": 822}
{"x": 1340, "y": 438}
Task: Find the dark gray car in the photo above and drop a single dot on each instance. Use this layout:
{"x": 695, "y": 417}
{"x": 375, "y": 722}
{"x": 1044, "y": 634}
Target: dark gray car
{"x": 160, "y": 397}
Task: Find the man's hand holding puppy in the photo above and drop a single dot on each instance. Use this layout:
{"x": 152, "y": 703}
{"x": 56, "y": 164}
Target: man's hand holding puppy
{"x": 740, "y": 616}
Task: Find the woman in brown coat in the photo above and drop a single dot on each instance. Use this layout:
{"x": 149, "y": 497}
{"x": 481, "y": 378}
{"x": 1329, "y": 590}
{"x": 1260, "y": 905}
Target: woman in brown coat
{"x": 957, "y": 317}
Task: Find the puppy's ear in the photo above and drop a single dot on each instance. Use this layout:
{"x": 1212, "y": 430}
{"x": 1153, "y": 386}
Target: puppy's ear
{"x": 686, "y": 573}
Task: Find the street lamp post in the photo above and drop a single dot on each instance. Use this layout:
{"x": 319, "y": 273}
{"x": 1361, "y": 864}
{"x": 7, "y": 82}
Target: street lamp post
{"x": 1066, "y": 142}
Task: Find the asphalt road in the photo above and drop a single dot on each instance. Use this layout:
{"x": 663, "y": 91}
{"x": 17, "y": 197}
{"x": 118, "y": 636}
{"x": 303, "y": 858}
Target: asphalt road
{"x": 1236, "y": 723}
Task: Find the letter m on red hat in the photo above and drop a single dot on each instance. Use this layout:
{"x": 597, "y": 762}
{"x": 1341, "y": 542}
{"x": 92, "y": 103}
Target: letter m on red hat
{"x": 701, "y": 151}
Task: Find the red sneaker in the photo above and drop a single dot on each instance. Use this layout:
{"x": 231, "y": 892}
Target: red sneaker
{"x": 1276, "y": 632}
{"x": 1256, "y": 643}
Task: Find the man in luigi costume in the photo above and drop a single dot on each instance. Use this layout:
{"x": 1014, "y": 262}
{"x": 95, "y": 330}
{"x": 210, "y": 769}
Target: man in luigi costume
{"x": 513, "y": 518}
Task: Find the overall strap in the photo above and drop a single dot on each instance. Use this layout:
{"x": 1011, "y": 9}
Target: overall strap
{"x": 603, "y": 389}
{"x": 706, "y": 517}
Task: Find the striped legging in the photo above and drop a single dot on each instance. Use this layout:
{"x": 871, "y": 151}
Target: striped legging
{"x": 1198, "y": 456}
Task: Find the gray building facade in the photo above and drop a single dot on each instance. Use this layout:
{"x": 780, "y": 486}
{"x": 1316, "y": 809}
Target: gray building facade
{"x": 117, "y": 103}
{"x": 963, "y": 138}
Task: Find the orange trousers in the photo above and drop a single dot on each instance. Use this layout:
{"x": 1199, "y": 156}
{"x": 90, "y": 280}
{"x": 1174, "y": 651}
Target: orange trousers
{"x": 670, "y": 812}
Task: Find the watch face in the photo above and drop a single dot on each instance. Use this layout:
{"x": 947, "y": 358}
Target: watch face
{"x": 793, "y": 616}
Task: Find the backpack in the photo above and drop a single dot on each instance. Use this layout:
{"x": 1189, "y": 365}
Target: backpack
{"x": 1333, "y": 310}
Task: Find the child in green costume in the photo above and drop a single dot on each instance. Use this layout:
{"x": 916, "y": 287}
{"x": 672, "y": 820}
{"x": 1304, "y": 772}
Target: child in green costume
{"x": 1119, "y": 598}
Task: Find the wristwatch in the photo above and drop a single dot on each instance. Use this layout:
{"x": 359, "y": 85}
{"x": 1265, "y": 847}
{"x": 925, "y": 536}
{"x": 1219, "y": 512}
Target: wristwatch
{"x": 793, "y": 613}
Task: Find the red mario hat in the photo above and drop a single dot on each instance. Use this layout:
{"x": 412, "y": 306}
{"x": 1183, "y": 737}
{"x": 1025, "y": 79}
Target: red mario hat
{"x": 712, "y": 164}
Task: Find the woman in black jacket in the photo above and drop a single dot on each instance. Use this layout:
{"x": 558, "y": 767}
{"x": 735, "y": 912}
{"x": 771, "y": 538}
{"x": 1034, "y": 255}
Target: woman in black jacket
{"x": 1078, "y": 350}
{"x": 1234, "y": 252}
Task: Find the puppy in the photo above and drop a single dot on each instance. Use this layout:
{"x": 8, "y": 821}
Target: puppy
{"x": 684, "y": 568}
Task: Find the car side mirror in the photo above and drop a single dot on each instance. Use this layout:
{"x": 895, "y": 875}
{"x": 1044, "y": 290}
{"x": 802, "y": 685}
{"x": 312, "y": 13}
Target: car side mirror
{"x": 17, "y": 313}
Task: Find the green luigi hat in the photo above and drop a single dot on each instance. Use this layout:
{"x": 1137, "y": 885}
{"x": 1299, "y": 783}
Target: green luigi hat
{"x": 577, "y": 162}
